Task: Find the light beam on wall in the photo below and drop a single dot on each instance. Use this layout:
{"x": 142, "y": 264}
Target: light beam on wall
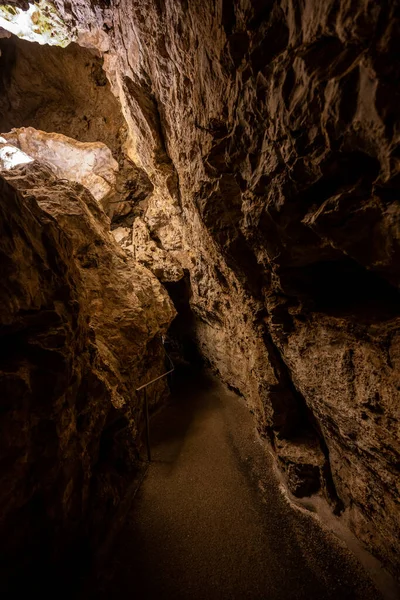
{"x": 11, "y": 157}
{"x": 40, "y": 23}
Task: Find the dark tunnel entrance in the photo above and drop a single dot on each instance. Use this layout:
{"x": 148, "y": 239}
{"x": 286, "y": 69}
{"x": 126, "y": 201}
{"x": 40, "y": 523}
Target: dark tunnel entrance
{"x": 181, "y": 342}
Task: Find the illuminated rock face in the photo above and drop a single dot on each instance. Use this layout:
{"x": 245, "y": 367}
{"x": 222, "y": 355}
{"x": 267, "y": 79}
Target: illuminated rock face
{"x": 91, "y": 164}
{"x": 37, "y": 22}
{"x": 269, "y": 131}
{"x": 11, "y": 156}
{"x": 161, "y": 262}
{"x": 65, "y": 91}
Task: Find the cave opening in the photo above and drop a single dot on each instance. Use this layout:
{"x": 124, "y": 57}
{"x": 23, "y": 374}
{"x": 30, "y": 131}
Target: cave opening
{"x": 181, "y": 342}
{"x": 57, "y": 107}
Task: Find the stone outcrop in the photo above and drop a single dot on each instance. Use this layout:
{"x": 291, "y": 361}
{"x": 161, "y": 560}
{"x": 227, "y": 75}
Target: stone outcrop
{"x": 270, "y": 133}
{"x": 162, "y": 263}
{"x": 65, "y": 91}
{"x": 81, "y": 328}
{"x": 89, "y": 163}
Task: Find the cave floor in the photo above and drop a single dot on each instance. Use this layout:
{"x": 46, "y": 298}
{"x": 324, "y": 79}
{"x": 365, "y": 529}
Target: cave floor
{"x": 210, "y": 521}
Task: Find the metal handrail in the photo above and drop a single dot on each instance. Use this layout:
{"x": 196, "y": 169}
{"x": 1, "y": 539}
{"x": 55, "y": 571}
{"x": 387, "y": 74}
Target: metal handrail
{"x": 146, "y": 403}
{"x": 153, "y": 380}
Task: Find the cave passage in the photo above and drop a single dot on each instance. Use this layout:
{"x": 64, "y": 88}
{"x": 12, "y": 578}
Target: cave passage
{"x": 181, "y": 342}
{"x": 218, "y": 180}
{"x": 210, "y": 521}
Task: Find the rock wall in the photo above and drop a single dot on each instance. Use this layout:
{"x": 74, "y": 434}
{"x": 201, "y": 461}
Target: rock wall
{"x": 270, "y": 132}
{"x": 91, "y": 164}
{"x": 81, "y": 328}
{"x": 65, "y": 91}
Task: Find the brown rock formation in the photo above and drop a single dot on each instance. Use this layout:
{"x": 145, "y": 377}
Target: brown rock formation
{"x": 80, "y": 331}
{"x": 91, "y": 164}
{"x": 270, "y": 132}
{"x": 280, "y": 124}
{"x": 65, "y": 90}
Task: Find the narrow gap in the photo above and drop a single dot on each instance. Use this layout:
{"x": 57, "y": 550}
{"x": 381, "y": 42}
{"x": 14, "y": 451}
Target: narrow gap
{"x": 181, "y": 341}
{"x": 295, "y": 422}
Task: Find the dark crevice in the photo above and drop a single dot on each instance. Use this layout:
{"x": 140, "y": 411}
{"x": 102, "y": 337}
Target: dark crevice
{"x": 294, "y": 420}
{"x": 181, "y": 343}
{"x": 147, "y": 104}
{"x": 219, "y": 207}
{"x": 272, "y": 39}
{"x": 328, "y": 57}
{"x": 228, "y": 16}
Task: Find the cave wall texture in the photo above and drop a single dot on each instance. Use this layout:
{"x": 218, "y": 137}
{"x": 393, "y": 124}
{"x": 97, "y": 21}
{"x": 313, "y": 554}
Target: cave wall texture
{"x": 269, "y": 131}
{"x": 80, "y": 330}
{"x": 65, "y": 90}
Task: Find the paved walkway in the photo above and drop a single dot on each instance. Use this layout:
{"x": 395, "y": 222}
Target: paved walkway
{"x": 209, "y": 521}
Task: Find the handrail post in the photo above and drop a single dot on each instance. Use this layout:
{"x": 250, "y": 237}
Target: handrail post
{"x": 146, "y": 409}
{"x": 146, "y": 403}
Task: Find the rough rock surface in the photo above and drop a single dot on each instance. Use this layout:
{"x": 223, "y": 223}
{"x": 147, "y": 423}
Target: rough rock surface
{"x": 270, "y": 132}
{"x": 89, "y": 163}
{"x": 81, "y": 328}
{"x": 163, "y": 264}
{"x": 65, "y": 91}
